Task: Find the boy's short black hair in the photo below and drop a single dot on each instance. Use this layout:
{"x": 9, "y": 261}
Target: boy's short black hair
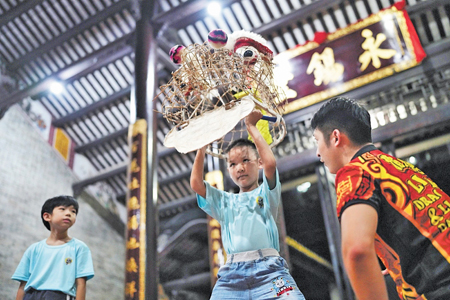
{"x": 347, "y": 116}
{"x": 51, "y": 203}
{"x": 242, "y": 143}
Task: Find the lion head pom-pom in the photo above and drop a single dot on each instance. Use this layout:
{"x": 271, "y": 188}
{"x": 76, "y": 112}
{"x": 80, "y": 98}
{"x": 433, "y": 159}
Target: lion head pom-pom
{"x": 217, "y": 38}
{"x": 175, "y": 53}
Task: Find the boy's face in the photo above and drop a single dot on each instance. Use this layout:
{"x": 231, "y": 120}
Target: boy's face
{"x": 62, "y": 217}
{"x": 327, "y": 151}
{"x": 243, "y": 166}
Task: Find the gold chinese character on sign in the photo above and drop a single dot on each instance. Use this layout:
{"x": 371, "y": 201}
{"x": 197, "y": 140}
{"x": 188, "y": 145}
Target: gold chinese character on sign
{"x": 133, "y": 203}
{"x": 215, "y": 233}
{"x": 131, "y": 265}
{"x": 282, "y": 77}
{"x": 133, "y": 223}
{"x": 132, "y": 243}
{"x": 134, "y": 146}
{"x": 130, "y": 288}
{"x": 324, "y": 67}
{"x": 372, "y": 50}
{"x": 134, "y": 166}
{"x": 134, "y": 184}
{"x": 214, "y": 223}
{"x": 216, "y": 245}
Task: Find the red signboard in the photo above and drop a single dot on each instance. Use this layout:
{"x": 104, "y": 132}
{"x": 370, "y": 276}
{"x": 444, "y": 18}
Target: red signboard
{"x": 366, "y": 51}
{"x": 136, "y": 207}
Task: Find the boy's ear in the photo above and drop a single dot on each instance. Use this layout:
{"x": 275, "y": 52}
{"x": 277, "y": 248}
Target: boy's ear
{"x": 46, "y": 216}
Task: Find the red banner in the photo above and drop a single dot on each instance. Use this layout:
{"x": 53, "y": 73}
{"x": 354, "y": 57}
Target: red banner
{"x": 371, "y": 49}
{"x": 136, "y": 207}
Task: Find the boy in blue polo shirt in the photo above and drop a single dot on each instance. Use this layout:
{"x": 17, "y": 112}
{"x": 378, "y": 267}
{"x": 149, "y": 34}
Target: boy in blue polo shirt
{"x": 58, "y": 267}
{"x": 254, "y": 269}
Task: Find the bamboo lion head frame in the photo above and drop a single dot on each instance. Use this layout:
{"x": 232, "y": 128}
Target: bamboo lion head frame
{"x": 217, "y": 85}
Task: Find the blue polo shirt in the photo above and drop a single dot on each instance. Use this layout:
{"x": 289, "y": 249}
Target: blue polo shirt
{"x": 247, "y": 220}
{"x": 55, "y": 268}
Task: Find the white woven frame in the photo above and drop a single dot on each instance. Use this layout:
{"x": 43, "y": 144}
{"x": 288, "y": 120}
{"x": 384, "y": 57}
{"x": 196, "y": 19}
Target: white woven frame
{"x": 217, "y": 79}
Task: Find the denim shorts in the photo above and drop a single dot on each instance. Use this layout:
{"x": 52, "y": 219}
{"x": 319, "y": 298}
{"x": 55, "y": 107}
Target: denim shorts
{"x": 33, "y": 294}
{"x": 263, "y": 278}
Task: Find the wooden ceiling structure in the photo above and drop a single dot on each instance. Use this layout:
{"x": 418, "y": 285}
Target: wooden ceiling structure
{"x": 89, "y": 46}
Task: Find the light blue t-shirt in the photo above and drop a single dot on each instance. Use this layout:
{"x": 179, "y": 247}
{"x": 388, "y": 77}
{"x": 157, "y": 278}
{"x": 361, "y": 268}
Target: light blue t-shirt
{"x": 55, "y": 268}
{"x": 247, "y": 219}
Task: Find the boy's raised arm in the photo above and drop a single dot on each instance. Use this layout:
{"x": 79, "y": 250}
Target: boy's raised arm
{"x": 266, "y": 154}
{"x": 197, "y": 183}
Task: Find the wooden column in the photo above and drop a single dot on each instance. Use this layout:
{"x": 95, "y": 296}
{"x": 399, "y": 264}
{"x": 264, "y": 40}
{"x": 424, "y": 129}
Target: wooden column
{"x": 217, "y": 254}
{"x": 141, "y": 279}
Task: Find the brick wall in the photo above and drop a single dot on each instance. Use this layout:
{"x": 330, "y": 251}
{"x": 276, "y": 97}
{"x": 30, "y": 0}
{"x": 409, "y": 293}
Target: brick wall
{"x": 31, "y": 171}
